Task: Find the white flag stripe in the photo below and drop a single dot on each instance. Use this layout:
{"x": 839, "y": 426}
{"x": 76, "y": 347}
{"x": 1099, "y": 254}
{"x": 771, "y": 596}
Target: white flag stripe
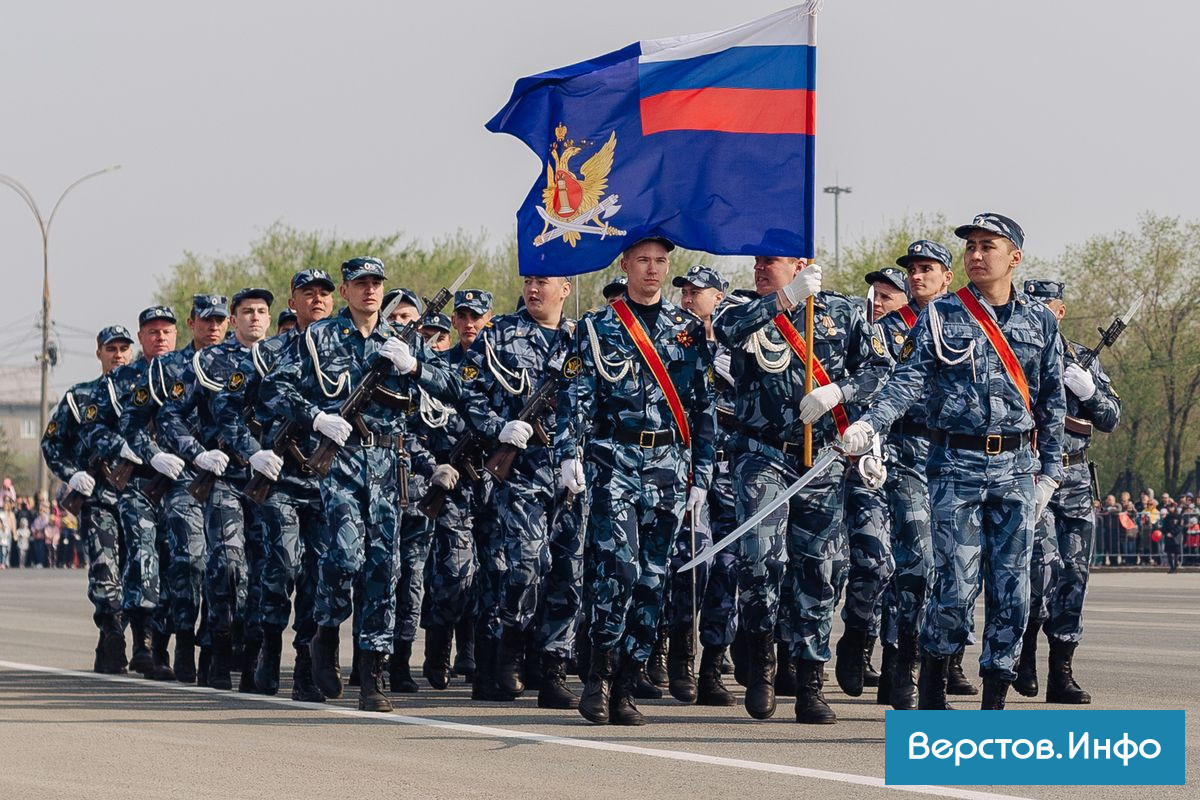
{"x": 790, "y": 26}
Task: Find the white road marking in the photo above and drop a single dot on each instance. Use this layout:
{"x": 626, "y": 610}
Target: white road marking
{"x": 507, "y": 733}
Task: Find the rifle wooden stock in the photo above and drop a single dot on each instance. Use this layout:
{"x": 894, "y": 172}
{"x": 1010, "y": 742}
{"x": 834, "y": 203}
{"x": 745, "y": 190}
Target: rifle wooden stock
{"x": 156, "y": 488}
{"x": 501, "y": 462}
{"x": 73, "y": 502}
{"x": 459, "y": 458}
{"x": 119, "y": 475}
{"x": 202, "y": 485}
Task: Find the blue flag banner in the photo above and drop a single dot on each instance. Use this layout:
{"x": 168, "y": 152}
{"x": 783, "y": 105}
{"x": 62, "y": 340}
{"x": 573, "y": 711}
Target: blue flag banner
{"x": 704, "y": 139}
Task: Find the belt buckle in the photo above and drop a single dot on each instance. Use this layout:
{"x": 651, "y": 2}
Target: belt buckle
{"x": 368, "y": 440}
{"x": 993, "y": 444}
{"x": 646, "y": 439}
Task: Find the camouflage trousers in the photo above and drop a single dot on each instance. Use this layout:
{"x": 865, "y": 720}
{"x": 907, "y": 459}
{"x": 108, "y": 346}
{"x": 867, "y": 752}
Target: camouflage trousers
{"x": 907, "y": 490}
{"x": 233, "y": 573}
{"x": 101, "y": 529}
{"x": 869, "y": 550}
{"x": 636, "y": 505}
{"x": 140, "y": 582}
{"x": 411, "y": 555}
{"x": 1067, "y": 532}
{"x": 808, "y": 528}
{"x": 524, "y": 510}
{"x": 718, "y": 607}
{"x": 982, "y": 533}
{"x": 681, "y": 598}
{"x": 183, "y": 518}
{"x": 292, "y": 519}
{"x": 561, "y": 598}
{"x": 452, "y": 565}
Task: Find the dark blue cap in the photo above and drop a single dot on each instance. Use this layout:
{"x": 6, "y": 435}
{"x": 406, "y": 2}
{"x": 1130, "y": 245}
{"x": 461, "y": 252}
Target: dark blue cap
{"x": 924, "y": 248}
{"x": 253, "y": 294}
{"x": 287, "y": 315}
{"x": 1044, "y": 290}
{"x": 156, "y": 312}
{"x": 438, "y": 322}
{"x": 615, "y": 287}
{"x": 889, "y": 275}
{"x": 664, "y": 241}
{"x": 406, "y": 296}
{"x": 994, "y": 223}
{"x": 702, "y": 277}
{"x": 363, "y": 265}
{"x": 113, "y": 333}
{"x": 210, "y": 305}
{"x": 309, "y": 276}
{"x": 475, "y": 300}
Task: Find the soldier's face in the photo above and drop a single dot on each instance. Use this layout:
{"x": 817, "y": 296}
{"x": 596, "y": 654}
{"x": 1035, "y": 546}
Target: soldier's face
{"x": 311, "y": 303}
{"x": 990, "y": 259}
{"x": 887, "y": 299}
{"x": 646, "y": 265}
{"x": 156, "y": 337}
{"x": 772, "y": 273}
{"x": 468, "y": 324}
{"x": 927, "y": 279}
{"x": 544, "y": 297}
{"x": 207, "y": 331}
{"x": 364, "y": 294}
{"x": 405, "y": 313}
{"x": 114, "y": 354}
{"x": 251, "y": 319}
{"x": 286, "y": 325}
{"x": 701, "y": 302}
{"x": 438, "y": 339}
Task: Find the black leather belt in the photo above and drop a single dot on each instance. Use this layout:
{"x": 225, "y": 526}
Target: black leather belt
{"x": 993, "y": 444}
{"x": 903, "y": 428}
{"x": 782, "y": 445}
{"x": 645, "y": 439}
{"x": 1078, "y": 457}
{"x": 384, "y": 440}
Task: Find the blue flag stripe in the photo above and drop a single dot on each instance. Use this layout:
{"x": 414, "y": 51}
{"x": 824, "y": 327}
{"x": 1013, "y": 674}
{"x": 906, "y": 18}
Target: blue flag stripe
{"x": 763, "y": 67}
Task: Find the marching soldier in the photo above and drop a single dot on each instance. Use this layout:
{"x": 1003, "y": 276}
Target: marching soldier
{"x": 1066, "y": 533}
{"x": 359, "y": 493}
{"x": 988, "y": 361}
{"x": 768, "y": 370}
{"x": 640, "y": 397}
{"x": 99, "y": 520}
{"x": 285, "y": 322}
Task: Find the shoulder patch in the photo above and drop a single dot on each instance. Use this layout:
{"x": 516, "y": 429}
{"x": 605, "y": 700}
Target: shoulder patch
{"x": 572, "y": 368}
{"x": 236, "y": 381}
{"x": 877, "y": 345}
{"x": 177, "y": 390}
{"x": 141, "y": 396}
{"x": 469, "y": 372}
{"x": 907, "y": 351}
{"x": 51, "y": 428}
{"x": 90, "y": 412}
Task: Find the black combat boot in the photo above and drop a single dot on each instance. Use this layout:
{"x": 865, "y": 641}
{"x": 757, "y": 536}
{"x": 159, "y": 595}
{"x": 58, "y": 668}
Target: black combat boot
{"x": 994, "y": 690}
{"x": 266, "y": 670}
{"x": 904, "y": 672}
{"x": 160, "y": 650}
{"x": 956, "y": 680}
{"x": 483, "y": 685}
{"x": 399, "y": 675}
{"x": 931, "y": 686}
{"x": 237, "y": 636}
{"x": 185, "y": 656}
{"x": 222, "y": 657}
{"x": 583, "y": 650}
{"x": 509, "y": 655}
{"x": 326, "y": 665}
{"x": 1026, "y": 683}
{"x": 621, "y": 710}
{"x": 849, "y": 665}
{"x": 726, "y": 664}
{"x": 370, "y": 683}
{"x": 531, "y": 663}
{"x": 464, "y": 647}
{"x": 553, "y": 693}
{"x": 202, "y": 664}
{"x": 710, "y": 689}
{"x": 439, "y": 639}
{"x": 110, "y": 652}
{"x": 740, "y": 655}
{"x": 304, "y": 689}
{"x": 355, "y": 663}
{"x": 681, "y": 665}
{"x": 643, "y": 687}
{"x": 250, "y": 649}
{"x": 656, "y": 667}
{"x": 870, "y": 676}
{"x": 98, "y": 661}
{"x": 883, "y": 691}
{"x": 594, "y": 702}
{"x": 760, "y": 694}
{"x": 811, "y": 708}
{"x": 141, "y": 660}
{"x": 1060, "y": 682}
{"x": 785, "y": 671}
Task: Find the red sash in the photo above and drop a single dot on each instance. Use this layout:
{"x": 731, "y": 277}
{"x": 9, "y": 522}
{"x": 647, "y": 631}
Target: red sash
{"x": 654, "y": 361}
{"x": 1000, "y": 344}
{"x": 793, "y": 338}
{"x": 906, "y": 314}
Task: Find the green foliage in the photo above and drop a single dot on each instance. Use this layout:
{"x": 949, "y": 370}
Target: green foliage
{"x": 881, "y": 250}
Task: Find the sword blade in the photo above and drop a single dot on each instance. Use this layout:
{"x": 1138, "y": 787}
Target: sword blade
{"x": 824, "y": 460}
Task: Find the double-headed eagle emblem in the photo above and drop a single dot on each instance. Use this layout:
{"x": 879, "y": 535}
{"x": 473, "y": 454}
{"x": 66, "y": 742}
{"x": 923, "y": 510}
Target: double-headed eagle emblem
{"x": 571, "y": 205}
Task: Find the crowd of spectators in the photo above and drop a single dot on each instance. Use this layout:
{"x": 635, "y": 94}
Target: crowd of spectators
{"x": 1150, "y": 531}
{"x": 36, "y": 533}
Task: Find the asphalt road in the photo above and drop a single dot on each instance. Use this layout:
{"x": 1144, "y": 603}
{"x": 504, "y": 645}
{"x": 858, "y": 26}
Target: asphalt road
{"x": 65, "y": 732}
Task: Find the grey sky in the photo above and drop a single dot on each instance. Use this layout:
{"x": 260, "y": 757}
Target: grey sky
{"x": 1071, "y": 117}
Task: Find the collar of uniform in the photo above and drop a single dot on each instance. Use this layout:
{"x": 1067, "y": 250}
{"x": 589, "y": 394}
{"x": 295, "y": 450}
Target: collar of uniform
{"x": 383, "y": 329}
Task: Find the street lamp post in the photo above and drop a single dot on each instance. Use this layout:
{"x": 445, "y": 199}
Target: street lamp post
{"x": 836, "y": 191}
{"x": 44, "y": 224}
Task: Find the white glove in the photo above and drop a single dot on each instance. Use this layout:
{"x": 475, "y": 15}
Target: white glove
{"x": 213, "y": 461}
{"x": 169, "y": 465}
{"x": 819, "y": 401}
{"x": 444, "y": 476}
{"x": 571, "y": 476}
{"x": 396, "y": 350}
{"x": 128, "y": 454}
{"x": 83, "y": 483}
{"x": 1079, "y": 381}
{"x": 872, "y": 471}
{"x": 723, "y": 366}
{"x": 333, "y": 427}
{"x": 268, "y": 463}
{"x": 1043, "y": 490}
{"x": 695, "y": 502}
{"x": 806, "y": 283}
{"x": 516, "y": 433}
{"x": 857, "y": 438}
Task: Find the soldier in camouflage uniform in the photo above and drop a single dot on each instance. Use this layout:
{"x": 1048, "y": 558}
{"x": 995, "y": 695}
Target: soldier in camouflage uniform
{"x": 99, "y": 522}
{"x": 308, "y": 386}
{"x": 772, "y": 409}
{"x": 292, "y": 515}
{"x": 638, "y": 466}
{"x": 235, "y": 538}
{"x": 1067, "y": 531}
{"x": 982, "y": 459}
{"x": 535, "y": 548}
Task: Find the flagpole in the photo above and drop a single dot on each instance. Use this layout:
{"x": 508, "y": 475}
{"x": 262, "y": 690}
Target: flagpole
{"x": 808, "y": 304}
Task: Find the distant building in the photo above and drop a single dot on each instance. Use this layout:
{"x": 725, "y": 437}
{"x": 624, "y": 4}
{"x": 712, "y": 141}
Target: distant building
{"x": 20, "y": 391}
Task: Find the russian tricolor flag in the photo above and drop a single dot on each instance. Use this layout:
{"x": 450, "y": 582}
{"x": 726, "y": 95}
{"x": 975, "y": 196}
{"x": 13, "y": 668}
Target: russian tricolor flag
{"x": 706, "y": 139}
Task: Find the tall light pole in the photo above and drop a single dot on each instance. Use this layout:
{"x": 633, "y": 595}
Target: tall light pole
{"x": 44, "y": 224}
{"x": 836, "y": 191}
